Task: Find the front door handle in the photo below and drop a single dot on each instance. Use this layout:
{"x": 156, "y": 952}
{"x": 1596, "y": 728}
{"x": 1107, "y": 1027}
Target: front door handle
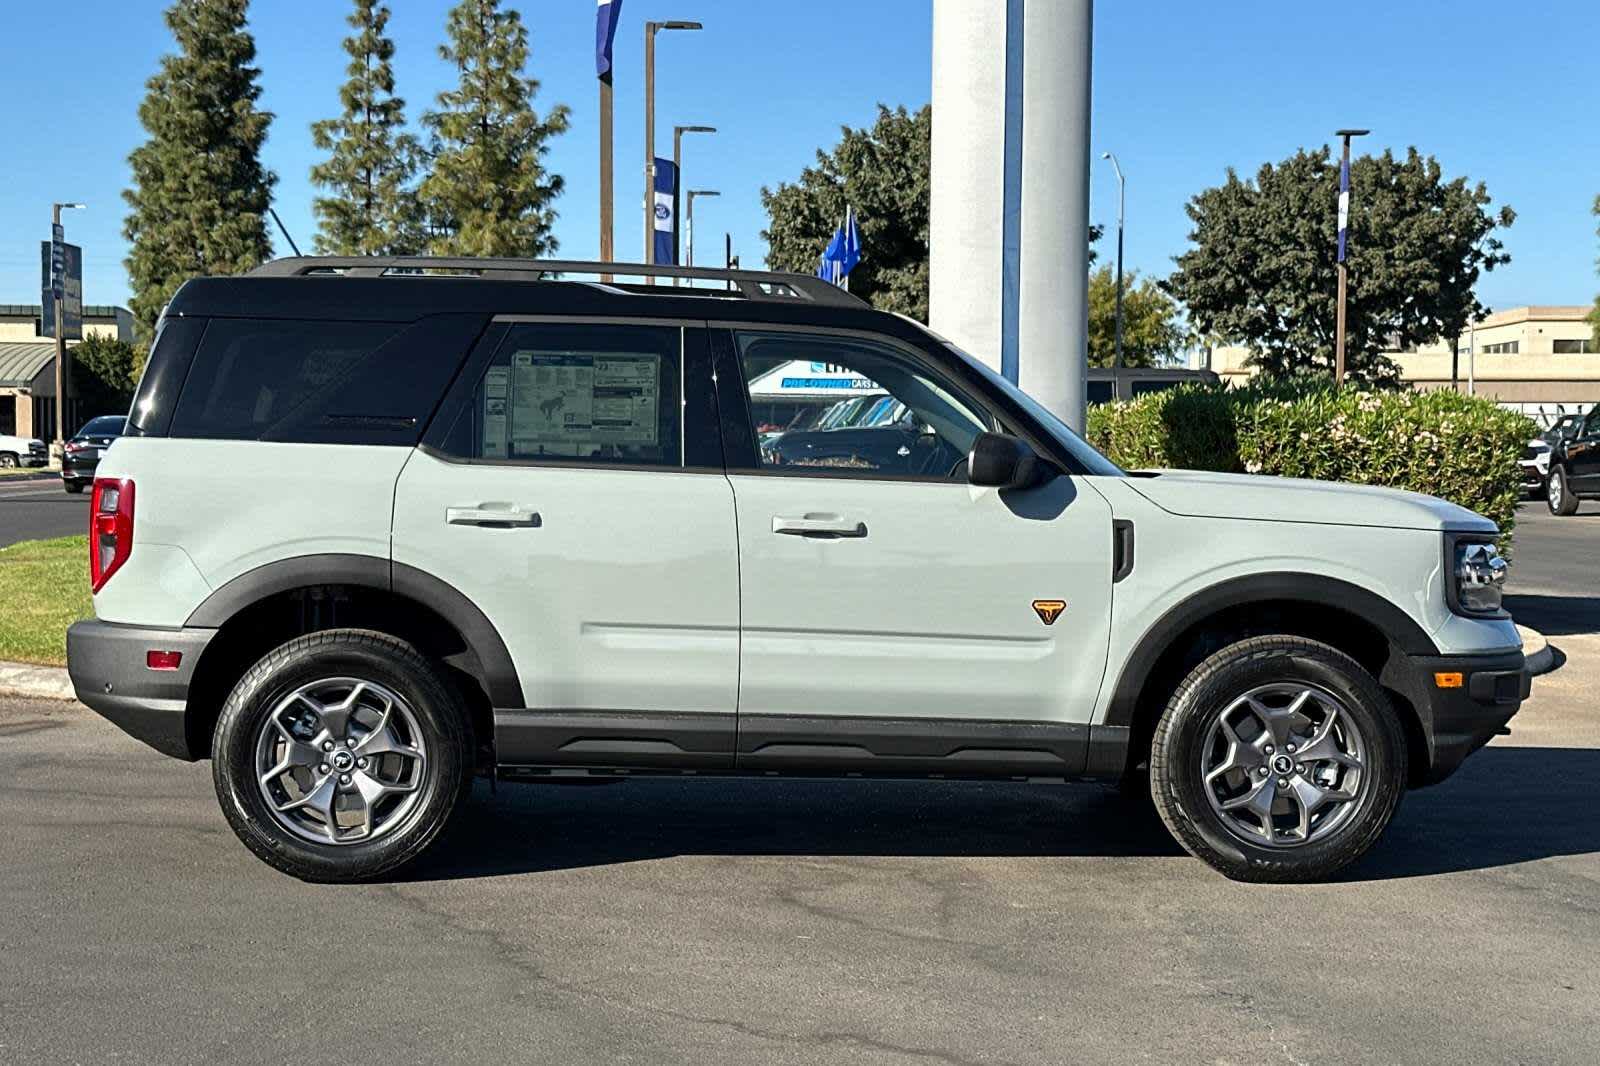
{"x": 502, "y": 517}
{"x": 814, "y": 524}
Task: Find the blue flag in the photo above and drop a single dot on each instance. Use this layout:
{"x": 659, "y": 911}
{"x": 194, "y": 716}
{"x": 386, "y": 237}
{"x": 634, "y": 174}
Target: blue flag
{"x": 605, "y": 32}
{"x": 666, "y": 213}
{"x": 843, "y": 251}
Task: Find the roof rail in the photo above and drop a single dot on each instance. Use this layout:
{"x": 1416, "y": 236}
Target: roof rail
{"x": 751, "y": 284}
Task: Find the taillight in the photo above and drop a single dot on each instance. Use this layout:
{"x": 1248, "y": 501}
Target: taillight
{"x": 110, "y": 528}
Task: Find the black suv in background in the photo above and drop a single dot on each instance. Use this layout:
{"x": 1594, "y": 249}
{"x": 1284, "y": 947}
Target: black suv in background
{"x": 1575, "y": 467}
{"x": 83, "y": 451}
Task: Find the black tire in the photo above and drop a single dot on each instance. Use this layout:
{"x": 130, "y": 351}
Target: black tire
{"x": 445, "y": 729}
{"x": 1558, "y": 494}
{"x": 8, "y": 460}
{"x": 1177, "y": 785}
{"x": 74, "y": 487}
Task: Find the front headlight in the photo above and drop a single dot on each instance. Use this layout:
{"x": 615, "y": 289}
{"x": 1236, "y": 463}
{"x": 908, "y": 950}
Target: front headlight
{"x": 1479, "y": 577}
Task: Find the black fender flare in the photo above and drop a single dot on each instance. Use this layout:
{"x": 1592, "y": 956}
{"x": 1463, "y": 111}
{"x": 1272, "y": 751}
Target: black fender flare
{"x": 1401, "y": 629}
{"x": 498, "y": 672}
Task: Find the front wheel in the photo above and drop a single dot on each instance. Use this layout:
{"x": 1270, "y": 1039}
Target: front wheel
{"x": 1558, "y": 494}
{"x": 7, "y": 461}
{"x": 1278, "y": 759}
{"x": 342, "y": 755}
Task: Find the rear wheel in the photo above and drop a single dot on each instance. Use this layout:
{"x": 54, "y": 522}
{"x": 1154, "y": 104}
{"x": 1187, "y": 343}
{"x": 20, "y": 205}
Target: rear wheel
{"x": 1558, "y": 494}
{"x": 1278, "y": 759}
{"x": 342, "y": 755}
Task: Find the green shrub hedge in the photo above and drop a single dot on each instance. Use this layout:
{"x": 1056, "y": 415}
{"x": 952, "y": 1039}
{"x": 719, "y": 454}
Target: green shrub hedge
{"x": 1460, "y": 448}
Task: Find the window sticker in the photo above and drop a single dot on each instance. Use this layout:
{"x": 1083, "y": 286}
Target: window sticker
{"x": 496, "y": 389}
{"x": 563, "y": 401}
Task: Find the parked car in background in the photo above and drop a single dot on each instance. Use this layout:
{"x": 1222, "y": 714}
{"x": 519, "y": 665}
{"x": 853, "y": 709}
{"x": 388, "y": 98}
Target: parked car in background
{"x": 22, "y": 451}
{"x": 1535, "y": 461}
{"x": 1131, "y": 382}
{"x": 1575, "y": 467}
{"x": 84, "y": 450}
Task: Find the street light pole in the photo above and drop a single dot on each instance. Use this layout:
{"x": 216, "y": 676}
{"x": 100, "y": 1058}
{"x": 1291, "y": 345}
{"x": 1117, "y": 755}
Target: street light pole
{"x": 57, "y": 299}
{"x": 1122, "y": 189}
{"x": 650, "y": 31}
{"x": 677, "y": 154}
{"x": 1344, "y": 219}
{"x": 690, "y": 219}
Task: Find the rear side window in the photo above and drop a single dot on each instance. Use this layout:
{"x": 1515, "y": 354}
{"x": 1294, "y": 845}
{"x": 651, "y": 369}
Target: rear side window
{"x": 584, "y": 394}
{"x": 321, "y": 382}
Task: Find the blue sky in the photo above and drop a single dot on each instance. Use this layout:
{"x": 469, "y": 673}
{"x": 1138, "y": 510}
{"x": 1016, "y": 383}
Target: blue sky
{"x": 1182, "y": 90}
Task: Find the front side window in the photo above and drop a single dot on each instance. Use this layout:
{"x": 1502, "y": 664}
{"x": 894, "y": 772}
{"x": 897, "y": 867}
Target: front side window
{"x": 837, "y": 406}
{"x": 586, "y": 394}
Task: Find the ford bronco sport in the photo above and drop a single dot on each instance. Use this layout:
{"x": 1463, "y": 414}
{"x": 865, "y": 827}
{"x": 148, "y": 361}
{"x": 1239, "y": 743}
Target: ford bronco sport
{"x": 374, "y": 531}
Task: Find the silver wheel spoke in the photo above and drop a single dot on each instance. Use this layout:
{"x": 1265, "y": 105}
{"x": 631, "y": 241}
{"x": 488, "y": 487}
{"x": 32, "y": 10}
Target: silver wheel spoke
{"x": 306, "y": 782}
{"x": 1306, "y": 763}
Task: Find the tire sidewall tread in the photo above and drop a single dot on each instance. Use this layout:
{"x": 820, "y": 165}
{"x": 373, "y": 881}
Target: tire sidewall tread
{"x": 1177, "y": 789}
{"x": 376, "y": 656}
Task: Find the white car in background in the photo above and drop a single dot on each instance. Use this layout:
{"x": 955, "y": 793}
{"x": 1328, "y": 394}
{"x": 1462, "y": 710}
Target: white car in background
{"x": 22, "y": 451}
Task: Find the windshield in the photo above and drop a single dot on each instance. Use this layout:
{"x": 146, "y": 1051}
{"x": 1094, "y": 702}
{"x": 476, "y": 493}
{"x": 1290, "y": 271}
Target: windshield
{"x": 1091, "y": 461}
{"x": 104, "y": 426}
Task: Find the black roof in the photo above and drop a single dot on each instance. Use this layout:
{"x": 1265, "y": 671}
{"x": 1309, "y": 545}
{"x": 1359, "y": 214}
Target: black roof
{"x": 333, "y": 289}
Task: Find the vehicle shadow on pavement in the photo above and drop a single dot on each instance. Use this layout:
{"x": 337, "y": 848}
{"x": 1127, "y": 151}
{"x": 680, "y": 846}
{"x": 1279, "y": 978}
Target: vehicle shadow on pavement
{"x": 533, "y": 828}
{"x": 1506, "y": 805}
{"x": 1556, "y": 616}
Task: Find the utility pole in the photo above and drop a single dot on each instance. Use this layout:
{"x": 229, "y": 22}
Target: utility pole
{"x": 59, "y": 296}
{"x": 1344, "y": 221}
{"x": 650, "y": 31}
{"x": 1122, "y": 189}
{"x": 607, "y": 205}
{"x": 677, "y": 162}
{"x": 689, "y": 221}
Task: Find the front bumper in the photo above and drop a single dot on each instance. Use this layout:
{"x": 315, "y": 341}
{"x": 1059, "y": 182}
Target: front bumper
{"x": 1458, "y": 721}
{"x": 107, "y": 664}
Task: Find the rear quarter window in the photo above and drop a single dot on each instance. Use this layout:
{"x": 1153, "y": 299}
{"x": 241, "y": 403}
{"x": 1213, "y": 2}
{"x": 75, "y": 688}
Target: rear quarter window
{"x": 319, "y": 381}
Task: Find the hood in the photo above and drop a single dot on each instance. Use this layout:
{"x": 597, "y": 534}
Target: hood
{"x": 1201, "y": 494}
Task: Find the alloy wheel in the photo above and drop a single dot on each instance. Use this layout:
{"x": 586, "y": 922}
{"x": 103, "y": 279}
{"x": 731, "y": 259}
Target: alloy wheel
{"x": 340, "y": 761}
{"x": 1283, "y": 765}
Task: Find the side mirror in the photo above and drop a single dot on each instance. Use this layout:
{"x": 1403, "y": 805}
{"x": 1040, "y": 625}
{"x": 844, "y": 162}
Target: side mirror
{"x": 1004, "y": 462}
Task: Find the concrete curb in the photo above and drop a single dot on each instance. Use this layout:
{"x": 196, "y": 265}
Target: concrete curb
{"x": 1541, "y": 657}
{"x": 38, "y": 682}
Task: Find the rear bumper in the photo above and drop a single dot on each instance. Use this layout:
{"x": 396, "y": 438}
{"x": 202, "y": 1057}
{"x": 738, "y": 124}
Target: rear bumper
{"x": 79, "y": 469}
{"x": 1458, "y": 721}
{"x": 106, "y": 662}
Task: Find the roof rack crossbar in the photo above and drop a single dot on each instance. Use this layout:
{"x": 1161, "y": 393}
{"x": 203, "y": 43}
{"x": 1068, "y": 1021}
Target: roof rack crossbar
{"x": 751, "y": 284}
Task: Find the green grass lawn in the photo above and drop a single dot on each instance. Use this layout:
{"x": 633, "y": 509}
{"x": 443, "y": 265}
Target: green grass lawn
{"x": 44, "y": 587}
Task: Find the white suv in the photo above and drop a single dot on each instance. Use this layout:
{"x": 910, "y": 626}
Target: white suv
{"x": 373, "y": 532}
{"x": 22, "y": 451}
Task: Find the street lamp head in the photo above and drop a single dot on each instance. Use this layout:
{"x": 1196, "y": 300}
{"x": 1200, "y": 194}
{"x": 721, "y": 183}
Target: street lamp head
{"x": 704, "y": 192}
{"x": 677, "y": 24}
{"x": 1351, "y": 133}
{"x": 65, "y": 207}
{"x": 694, "y": 129}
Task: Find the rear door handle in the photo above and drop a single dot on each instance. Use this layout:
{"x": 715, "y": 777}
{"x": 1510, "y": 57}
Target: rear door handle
{"x": 818, "y": 525}
{"x": 492, "y": 516}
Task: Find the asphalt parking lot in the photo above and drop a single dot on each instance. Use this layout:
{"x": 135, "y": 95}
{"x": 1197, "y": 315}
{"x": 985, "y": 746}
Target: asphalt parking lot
{"x": 721, "y": 921}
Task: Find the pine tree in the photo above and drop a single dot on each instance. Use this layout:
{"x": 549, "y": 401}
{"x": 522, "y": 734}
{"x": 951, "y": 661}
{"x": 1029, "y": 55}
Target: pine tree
{"x": 489, "y": 192}
{"x": 373, "y": 209}
{"x": 200, "y": 194}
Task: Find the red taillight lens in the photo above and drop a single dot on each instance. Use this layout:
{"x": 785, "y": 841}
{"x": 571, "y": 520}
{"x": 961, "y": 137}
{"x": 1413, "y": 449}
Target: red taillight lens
{"x": 110, "y": 528}
{"x": 163, "y": 660}
{"x": 73, "y": 446}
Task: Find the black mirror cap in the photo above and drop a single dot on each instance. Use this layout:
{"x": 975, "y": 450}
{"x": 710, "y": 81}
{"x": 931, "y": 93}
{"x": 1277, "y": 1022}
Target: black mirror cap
{"x": 1005, "y": 462}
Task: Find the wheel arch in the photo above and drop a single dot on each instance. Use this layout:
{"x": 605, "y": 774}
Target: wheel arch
{"x": 1357, "y": 621}
{"x": 273, "y": 603}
